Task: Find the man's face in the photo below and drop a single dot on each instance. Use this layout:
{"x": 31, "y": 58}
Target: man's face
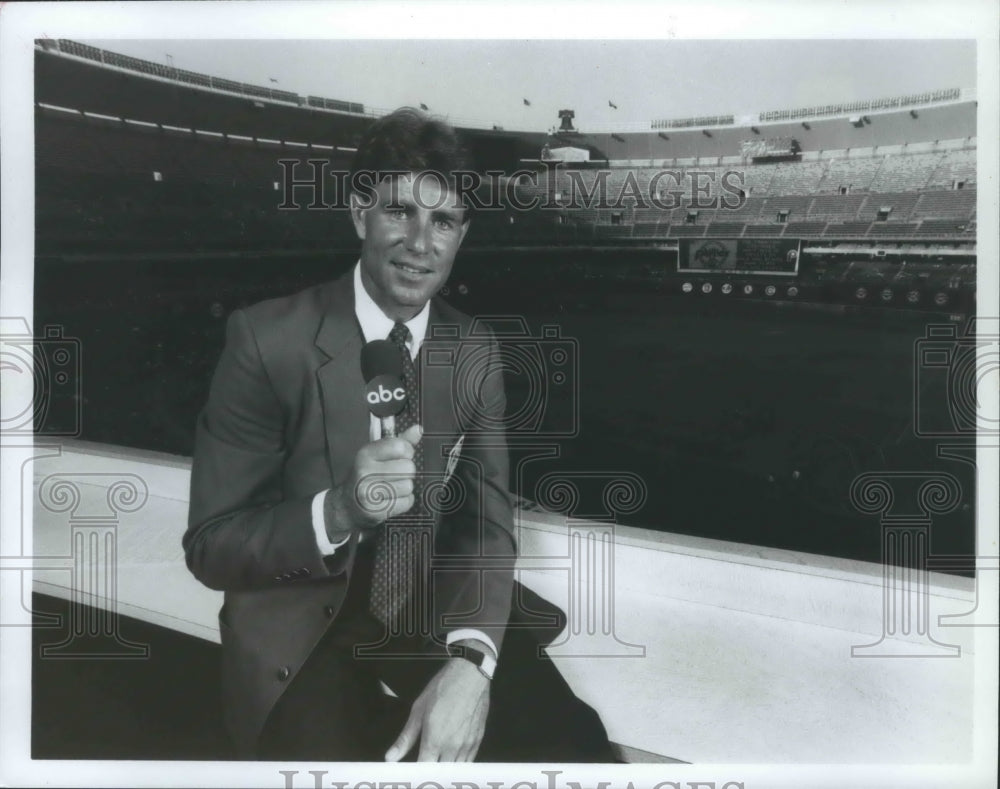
{"x": 409, "y": 238}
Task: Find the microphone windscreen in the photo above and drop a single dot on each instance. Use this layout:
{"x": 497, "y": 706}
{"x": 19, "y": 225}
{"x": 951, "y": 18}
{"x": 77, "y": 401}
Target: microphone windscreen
{"x": 381, "y": 357}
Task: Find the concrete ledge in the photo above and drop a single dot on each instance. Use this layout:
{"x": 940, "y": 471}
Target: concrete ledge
{"x": 707, "y": 651}
{"x": 812, "y": 589}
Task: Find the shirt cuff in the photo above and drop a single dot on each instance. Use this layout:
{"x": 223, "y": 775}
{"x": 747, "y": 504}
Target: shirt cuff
{"x": 474, "y": 635}
{"x": 326, "y": 548}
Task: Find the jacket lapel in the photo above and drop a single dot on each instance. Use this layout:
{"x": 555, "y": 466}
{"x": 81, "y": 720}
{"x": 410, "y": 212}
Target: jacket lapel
{"x": 437, "y": 396}
{"x": 342, "y": 388}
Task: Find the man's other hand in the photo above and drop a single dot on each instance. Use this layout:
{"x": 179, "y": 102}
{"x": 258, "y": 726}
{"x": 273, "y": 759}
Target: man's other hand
{"x": 380, "y": 487}
{"x": 448, "y": 718}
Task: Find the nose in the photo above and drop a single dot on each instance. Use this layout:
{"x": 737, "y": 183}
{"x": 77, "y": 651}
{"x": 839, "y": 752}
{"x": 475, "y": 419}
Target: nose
{"x": 418, "y": 235}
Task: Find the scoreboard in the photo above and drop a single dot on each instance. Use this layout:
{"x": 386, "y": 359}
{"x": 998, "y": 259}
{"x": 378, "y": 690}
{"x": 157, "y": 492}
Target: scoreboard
{"x": 738, "y": 256}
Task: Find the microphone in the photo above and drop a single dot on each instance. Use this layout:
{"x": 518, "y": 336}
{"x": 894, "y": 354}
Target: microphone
{"x": 385, "y": 393}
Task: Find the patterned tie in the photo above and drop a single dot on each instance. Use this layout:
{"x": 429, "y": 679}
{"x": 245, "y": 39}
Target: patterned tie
{"x": 398, "y": 551}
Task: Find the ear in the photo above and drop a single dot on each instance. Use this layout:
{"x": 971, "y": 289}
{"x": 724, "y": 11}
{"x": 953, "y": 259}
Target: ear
{"x": 358, "y": 215}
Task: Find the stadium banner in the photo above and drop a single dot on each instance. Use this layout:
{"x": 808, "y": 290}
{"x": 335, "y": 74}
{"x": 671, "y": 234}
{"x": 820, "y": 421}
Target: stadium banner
{"x": 739, "y": 256}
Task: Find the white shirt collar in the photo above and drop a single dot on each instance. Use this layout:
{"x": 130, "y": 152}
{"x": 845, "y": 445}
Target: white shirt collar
{"x": 376, "y": 325}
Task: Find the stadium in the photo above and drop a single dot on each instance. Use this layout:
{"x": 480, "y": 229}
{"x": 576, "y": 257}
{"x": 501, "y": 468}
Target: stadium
{"x": 812, "y": 268}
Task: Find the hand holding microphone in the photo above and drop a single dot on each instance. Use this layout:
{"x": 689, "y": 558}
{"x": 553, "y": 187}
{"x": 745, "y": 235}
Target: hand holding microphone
{"x": 381, "y": 483}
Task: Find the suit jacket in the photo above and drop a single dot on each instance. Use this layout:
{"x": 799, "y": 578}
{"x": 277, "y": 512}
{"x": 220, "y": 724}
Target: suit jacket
{"x": 285, "y": 417}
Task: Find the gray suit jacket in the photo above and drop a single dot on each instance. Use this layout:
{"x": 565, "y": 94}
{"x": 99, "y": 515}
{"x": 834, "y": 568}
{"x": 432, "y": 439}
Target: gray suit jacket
{"x": 285, "y": 417}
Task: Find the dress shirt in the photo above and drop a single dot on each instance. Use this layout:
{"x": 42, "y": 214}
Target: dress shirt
{"x": 376, "y": 325}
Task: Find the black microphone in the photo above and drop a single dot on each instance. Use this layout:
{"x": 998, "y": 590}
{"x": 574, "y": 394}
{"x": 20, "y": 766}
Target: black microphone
{"x": 385, "y": 392}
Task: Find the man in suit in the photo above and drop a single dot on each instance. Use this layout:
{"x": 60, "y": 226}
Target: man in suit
{"x": 293, "y": 490}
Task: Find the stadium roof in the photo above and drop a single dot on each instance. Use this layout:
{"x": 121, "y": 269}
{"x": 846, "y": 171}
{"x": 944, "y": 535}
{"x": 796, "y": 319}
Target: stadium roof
{"x": 645, "y": 81}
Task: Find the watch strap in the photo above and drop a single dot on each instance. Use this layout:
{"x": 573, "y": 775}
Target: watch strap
{"x": 485, "y": 663}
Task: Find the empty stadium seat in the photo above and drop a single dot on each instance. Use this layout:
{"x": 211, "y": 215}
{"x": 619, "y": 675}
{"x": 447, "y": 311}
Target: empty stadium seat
{"x": 804, "y": 228}
{"x": 847, "y": 229}
{"x": 957, "y": 203}
{"x": 763, "y": 230}
{"x": 900, "y": 204}
{"x": 728, "y": 229}
{"x": 836, "y": 207}
{"x": 909, "y": 172}
{"x": 852, "y": 173}
{"x": 894, "y": 229}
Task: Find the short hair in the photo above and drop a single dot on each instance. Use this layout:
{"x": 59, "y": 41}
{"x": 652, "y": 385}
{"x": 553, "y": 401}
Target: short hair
{"x": 409, "y": 140}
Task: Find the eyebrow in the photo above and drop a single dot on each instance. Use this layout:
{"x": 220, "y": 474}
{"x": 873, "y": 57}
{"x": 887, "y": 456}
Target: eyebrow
{"x": 448, "y": 213}
{"x": 408, "y": 202}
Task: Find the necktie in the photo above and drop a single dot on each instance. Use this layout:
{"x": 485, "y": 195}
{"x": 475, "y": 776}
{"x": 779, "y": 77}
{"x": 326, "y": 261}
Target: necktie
{"x": 397, "y": 564}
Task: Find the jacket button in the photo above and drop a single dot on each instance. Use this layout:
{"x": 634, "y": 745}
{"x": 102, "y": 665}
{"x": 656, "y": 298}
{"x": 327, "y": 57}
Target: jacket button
{"x": 328, "y": 610}
{"x": 283, "y": 673}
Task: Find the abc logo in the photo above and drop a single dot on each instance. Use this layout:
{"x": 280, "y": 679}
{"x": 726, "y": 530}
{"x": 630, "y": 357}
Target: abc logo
{"x": 383, "y": 395}
{"x": 386, "y": 395}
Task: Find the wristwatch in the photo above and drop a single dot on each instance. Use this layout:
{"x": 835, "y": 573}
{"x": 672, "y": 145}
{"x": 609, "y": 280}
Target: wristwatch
{"x": 486, "y": 664}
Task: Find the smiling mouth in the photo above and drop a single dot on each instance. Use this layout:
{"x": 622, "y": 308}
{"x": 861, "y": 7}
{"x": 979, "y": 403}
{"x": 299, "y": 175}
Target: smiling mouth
{"x": 411, "y": 269}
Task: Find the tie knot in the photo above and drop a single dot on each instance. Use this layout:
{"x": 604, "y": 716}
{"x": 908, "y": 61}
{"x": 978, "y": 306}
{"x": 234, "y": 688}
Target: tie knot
{"x": 399, "y": 335}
